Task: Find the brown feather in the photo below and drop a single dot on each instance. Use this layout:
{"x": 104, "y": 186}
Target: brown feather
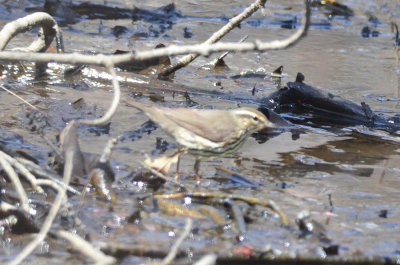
{"x": 217, "y": 130}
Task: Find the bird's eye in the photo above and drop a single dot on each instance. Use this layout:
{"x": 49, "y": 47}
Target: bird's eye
{"x": 255, "y": 118}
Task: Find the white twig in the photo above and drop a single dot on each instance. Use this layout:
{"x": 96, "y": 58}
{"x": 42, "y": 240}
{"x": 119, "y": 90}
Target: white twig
{"x": 233, "y": 22}
{"x": 23, "y": 170}
{"x": 52, "y": 214}
{"x": 201, "y": 49}
{"x": 45, "y": 174}
{"x": 47, "y": 182}
{"x": 115, "y": 102}
{"x": 5, "y": 207}
{"x": 174, "y": 249}
{"x": 16, "y": 182}
{"x": 84, "y": 247}
{"x": 40, "y": 19}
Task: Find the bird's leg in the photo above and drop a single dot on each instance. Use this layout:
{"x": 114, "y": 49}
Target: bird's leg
{"x": 196, "y": 170}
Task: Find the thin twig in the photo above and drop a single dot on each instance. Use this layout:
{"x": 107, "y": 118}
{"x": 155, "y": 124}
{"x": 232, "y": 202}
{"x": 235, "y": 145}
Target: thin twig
{"x": 23, "y": 170}
{"x": 20, "y": 98}
{"x": 234, "y": 22}
{"x": 16, "y": 182}
{"x": 5, "y": 207}
{"x": 226, "y": 53}
{"x": 201, "y": 49}
{"x": 115, "y": 102}
{"x": 45, "y": 174}
{"x": 84, "y": 247}
{"x": 46, "y": 182}
{"x": 98, "y": 174}
{"x": 265, "y": 203}
{"x": 69, "y": 155}
{"x": 174, "y": 249}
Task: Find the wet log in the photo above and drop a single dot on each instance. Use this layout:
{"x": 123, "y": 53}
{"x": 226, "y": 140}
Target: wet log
{"x": 303, "y": 103}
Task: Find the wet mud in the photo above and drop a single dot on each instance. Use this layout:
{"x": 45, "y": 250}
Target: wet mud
{"x": 338, "y": 183}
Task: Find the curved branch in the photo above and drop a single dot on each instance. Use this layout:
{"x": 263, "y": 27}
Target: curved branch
{"x": 114, "y": 104}
{"x": 201, "y": 49}
{"x": 40, "y": 19}
{"x": 16, "y": 182}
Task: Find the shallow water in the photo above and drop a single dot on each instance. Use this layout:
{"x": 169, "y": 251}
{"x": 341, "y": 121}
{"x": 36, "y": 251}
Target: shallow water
{"x": 344, "y": 180}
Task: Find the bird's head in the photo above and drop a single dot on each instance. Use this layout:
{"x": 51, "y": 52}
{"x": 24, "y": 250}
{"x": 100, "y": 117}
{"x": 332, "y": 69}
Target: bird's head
{"x": 252, "y": 120}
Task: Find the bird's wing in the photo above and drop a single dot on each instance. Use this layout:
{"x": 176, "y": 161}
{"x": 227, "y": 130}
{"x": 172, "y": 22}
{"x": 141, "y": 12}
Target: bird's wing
{"x": 219, "y": 127}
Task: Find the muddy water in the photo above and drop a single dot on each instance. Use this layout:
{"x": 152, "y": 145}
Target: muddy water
{"x": 345, "y": 181}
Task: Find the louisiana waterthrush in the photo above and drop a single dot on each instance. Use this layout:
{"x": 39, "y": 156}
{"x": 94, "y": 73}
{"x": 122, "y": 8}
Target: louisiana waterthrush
{"x": 207, "y": 133}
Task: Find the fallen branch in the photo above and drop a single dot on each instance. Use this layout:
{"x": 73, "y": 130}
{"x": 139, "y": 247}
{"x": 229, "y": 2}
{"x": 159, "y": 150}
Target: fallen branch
{"x": 36, "y": 169}
{"x": 23, "y": 170}
{"x": 233, "y": 22}
{"x": 115, "y": 102}
{"x": 199, "y": 49}
{"x": 84, "y": 247}
{"x": 49, "y": 29}
{"x": 69, "y": 155}
{"x": 16, "y": 182}
{"x": 174, "y": 249}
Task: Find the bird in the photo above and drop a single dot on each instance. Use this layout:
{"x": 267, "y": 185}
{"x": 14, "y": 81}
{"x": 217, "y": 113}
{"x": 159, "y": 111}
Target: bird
{"x": 206, "y": 133}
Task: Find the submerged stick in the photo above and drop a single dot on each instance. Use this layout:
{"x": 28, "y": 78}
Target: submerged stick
{"x": 84, "y": 247}
{"x": 175, "y": 247}
{"x": 269, "y": 203}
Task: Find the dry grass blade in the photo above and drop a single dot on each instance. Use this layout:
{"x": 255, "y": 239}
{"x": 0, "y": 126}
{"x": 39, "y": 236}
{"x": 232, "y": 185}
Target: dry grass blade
{"x": 23, "y": 100}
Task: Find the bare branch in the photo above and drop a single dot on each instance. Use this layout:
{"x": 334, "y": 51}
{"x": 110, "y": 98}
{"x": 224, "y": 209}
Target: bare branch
{"x": 174, "y": 249}
{"x": 200, "y": 49}
{"x": 23, "y": 170}
{"x": 47, "y": 182}
{"x": 16, "y": 182}
{"x": 40, "y": 19}
{"x": 36, "y": 169}
{"x": 52, "y": 214}
{"x": 86, "y": 248}
{"x": 115, "y": 102}
{"x": 233, "y": 22}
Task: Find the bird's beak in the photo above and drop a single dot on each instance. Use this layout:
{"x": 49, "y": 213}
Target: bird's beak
{"x": 269, "y": 124}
